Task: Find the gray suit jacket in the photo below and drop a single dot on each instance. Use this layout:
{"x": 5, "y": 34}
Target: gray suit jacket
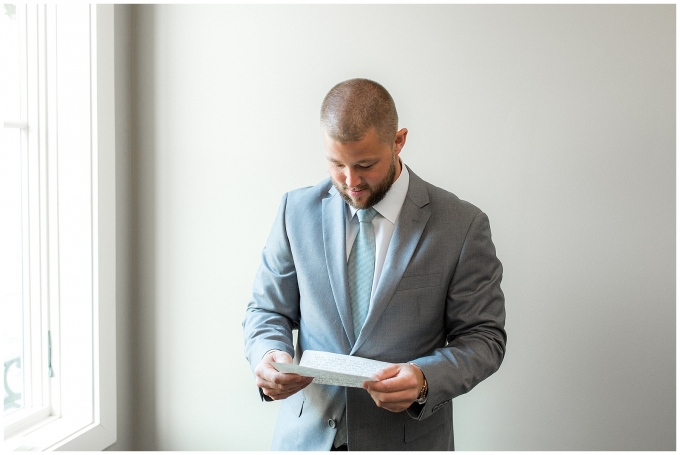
{"x": 438, "y": 304}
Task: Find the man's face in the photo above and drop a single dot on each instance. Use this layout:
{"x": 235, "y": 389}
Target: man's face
{"x": 363, "y": 171}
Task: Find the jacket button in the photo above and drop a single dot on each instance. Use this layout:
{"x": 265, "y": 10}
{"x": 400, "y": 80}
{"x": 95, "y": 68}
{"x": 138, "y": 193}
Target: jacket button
{"x": 331, "y": 423}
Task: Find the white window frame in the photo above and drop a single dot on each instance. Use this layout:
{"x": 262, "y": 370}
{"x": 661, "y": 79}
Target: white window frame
{"x": 71, "y": 249}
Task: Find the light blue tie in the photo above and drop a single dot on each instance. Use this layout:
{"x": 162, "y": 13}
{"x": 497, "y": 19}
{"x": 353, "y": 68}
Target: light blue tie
{"x": 360, "y": 268}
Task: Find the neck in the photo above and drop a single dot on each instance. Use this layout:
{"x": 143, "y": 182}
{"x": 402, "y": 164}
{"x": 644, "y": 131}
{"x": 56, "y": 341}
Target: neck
{"x": 398, "y": 173}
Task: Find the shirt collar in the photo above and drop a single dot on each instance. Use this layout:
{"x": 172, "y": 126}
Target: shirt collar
{"x": 390, "y": 206}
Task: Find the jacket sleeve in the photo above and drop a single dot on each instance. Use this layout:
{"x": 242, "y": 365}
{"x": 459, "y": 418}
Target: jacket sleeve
{"x": 274, "y": 308}
{"x": 475, "y": 323}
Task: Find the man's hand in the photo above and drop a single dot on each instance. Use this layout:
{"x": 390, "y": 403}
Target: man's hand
{"x": 397, "y": 388}
{"x": 278, "y": 385}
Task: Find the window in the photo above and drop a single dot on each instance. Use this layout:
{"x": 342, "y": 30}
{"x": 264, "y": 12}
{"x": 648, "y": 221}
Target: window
{"x": 61, "y": 139}
{"x": 11, "y": 209}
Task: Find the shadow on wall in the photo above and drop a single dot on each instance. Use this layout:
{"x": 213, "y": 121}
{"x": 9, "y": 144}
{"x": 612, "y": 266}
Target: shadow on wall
{"x": 143, "y": 229}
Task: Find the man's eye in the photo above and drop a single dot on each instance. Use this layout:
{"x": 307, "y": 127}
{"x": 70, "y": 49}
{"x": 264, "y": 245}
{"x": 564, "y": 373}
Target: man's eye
{"x": 364, "y": 166}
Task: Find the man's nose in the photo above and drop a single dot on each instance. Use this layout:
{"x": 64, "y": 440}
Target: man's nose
{"x": 352, "y": 179}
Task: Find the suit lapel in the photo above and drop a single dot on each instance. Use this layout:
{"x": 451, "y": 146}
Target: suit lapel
{"x": 334, "y": 242}
{"x": 410, "y": 225}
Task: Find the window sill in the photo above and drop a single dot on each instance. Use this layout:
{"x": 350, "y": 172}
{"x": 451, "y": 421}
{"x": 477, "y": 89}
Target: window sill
{"x": 19, "y": 420}
{"x": 54, "y": 433}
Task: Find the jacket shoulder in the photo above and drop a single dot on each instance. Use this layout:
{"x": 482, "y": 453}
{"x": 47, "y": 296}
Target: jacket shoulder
{"x": 307, "y": 199}
{"x": 446, "y": 197}
{"x": 444, "y": 202}
{"x": 318, "y": 192}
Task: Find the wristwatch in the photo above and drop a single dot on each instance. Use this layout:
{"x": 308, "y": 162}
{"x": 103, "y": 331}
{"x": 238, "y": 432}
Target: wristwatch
{"x": 422, "y": 396}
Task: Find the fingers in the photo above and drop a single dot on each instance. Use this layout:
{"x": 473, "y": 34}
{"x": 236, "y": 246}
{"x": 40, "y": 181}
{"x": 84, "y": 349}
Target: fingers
{"x": 270, "y": 376}
{"x": 394, "y": 401}
{"x": 285, "y": 392}
{"x": 393, "y": 379}
{"x": 394, "y": 385}
{"x": 275, "y": 384}
{"x": 397, "y": 387}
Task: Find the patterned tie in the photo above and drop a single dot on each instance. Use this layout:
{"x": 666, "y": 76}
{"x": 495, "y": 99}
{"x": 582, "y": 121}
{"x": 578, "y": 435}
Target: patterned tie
{"x": 360, "y": 268}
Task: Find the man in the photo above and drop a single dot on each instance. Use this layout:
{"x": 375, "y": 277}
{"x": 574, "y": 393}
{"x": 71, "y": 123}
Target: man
{"x": 376, "y": 263}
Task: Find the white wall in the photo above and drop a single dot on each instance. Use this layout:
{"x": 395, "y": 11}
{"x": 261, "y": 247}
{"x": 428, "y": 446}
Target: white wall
{"x": 558, "y": 121}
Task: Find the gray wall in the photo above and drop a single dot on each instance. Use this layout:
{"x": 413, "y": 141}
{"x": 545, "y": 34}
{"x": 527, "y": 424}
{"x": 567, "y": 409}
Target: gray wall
{"x": 558, "y": 121}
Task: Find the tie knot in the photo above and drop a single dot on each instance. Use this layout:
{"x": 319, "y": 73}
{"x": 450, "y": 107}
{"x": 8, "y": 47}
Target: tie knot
{"x": 366, "y": 215}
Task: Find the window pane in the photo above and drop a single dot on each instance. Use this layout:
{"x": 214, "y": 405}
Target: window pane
{"x": 11, "y": 299}
{"x": 11, "y": 74}
{"x": 11, "y": 267}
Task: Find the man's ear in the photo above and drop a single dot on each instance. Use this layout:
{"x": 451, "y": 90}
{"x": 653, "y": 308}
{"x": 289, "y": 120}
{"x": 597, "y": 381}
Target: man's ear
{"x": 400, "y": 140}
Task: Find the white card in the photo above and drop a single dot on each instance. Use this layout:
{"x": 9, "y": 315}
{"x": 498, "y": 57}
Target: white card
{"x": 333, "y": 369}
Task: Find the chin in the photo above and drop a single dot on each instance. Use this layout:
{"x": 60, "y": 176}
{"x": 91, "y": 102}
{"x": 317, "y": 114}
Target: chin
{"x": 358, "y": 204}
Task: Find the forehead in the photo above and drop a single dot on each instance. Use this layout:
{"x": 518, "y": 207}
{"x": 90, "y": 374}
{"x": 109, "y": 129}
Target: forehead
{"x": 369, "y": 147}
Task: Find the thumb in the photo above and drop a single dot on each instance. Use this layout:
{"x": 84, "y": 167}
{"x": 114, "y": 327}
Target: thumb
{"x": 282, "y": 357}
{"x": 387, "y": 372}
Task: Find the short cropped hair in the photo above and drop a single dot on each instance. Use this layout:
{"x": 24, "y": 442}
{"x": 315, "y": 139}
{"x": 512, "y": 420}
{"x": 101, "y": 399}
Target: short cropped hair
{"x": 352, "y": 107}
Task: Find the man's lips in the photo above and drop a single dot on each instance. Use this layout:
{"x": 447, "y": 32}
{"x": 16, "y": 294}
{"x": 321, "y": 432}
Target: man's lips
{"x": 355, "y": 192}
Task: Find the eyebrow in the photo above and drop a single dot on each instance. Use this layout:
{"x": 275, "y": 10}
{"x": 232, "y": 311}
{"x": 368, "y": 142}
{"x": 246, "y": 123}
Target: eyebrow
{"x": 360, "y": 162}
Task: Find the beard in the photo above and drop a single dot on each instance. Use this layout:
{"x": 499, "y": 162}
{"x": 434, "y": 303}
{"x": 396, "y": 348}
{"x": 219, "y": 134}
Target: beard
{"x": 376, "y": 194}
